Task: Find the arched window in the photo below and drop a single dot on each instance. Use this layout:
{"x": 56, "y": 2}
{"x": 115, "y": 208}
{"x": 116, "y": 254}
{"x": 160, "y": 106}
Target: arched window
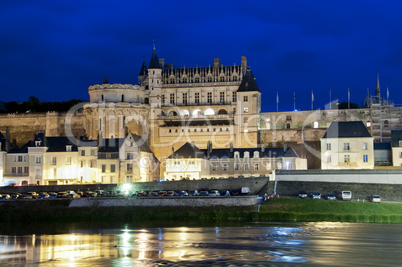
{"x": 102, "y": 98}
{"x": 222, "y": 111}
{"x": 172, "y": 113}
{"x": 246, "y": 154}
{"x": 146, "y": 100}
{"x": 287, "y": 125}
{"x": 209, "y": 111}
{"x": 122, "y": 98}
{"x": 256, "y": 154}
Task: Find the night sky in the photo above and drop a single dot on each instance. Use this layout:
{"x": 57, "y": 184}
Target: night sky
{"x": 54, "y": 50}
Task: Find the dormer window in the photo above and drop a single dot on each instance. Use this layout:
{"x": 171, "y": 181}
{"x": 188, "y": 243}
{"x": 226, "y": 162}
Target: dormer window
{"x": 246, "y": 154}
{"x": 68, "y": 148}
{"x": 256, "y": 154}
{"x": 400, "y": 143}
{"x": 37, "y": 143}
{"x": 236, "y": 155}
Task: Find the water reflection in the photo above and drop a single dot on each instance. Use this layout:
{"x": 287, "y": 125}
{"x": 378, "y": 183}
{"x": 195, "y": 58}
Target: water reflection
{"x": 303, "y": 244}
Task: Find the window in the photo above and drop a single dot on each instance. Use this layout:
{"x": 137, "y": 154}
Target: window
{"x": 197, "y": 98}
{"x": 92, "y": 152}
{"x": 38, "y": 160}
{"x": 172, "y": 99}
{"x": 19, "y": 169}
{"x": 14, "y": 170}
{"x": 235, "y": 78}
{"x": 129, "y": 168}
{"x": 184, "y": 98}
{"x": 236, "y": 166}
{"x": 365, "y": 158}
{"x": 329, "y": 159}
{"x": 129, "y": 155}
{"x": 256, "y": 154}
{"x": 82, "y": 163}
{"x": 245, "y": 98}
{"x": 234, "y": 97}
{"x": 224, "y": 166}
{"x": 122, "y": 98}
{"x": 346, "y": 146}
{"x": 37, "y": 143}
{"x": 113, "y": 168}
{"x": 222, "y": 97}
{"x": 346, "y": 159}
{"x": 316, "y": 124}
{"x": 82, "y": 153}
{"x": 246, "y": 167}
{"x": 92, "y": 163}
{"x": 328, "y": 146}
{"x": 400, "y": 155}
{"x": 209, "y": 97}
{"x": 287, "y": 125}
{"x": 245, "y": 110}
{"x": 209, "y": 79}
{"x": 246, "y": 154}
{"x": 54, "y": 161}
{"x": 245, "y": 119}
{"x": 213, "y": 166}
{"x": 256, "y": 166}
{"x": 197, "y": 79}
{"x": 365, "y": 146}
{"x": 236, "y": 155}
{"x": 68, "y": 148}
{"x": 20, "y": 158}
{"x": 26, "y": 169}
{"x": 68, "y": 160}
{"x": 288, "y": 118}
{"x": 222, "y": 79}
{"x": 163, "y": 99}
{"x": 103, "y": 168}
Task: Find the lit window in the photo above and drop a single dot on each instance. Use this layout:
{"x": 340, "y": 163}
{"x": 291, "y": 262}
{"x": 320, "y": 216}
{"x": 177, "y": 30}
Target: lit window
{"x": 245, "y": 110}
{"x": 103, "y": 168}
{"x": 82, "y": 152}
{"x": 346, "y": 146}
{"x": 68, "y": 160}
{"x": 54, "y": 161}
{"x": 222, "y": 97}
{"x": 346, "y": 159}
{"x": 365, "y": 146}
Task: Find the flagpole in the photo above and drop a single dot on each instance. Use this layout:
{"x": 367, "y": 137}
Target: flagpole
{"x": 312, "y": 100}
{"x": 277, "y": 101}
{"x": 294, "y": 101}
{"x": 330, "y": 102}
{"x": 348, "y": 99}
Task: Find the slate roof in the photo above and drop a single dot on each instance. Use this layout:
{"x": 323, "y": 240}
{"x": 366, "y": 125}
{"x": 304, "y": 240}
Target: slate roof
{"x": 113, "y": 144}
{"x": 154, "y": 64}
{"x": 248, "y": 83}
{"x": 190, "y": 151}
{"x": 382, "y": 146}
{"x": 346, "y": 129}
{"x": 144, "y": 69}
{"x": 396, "y": 135}
{"x": 58, "y": 144}
{"x": 187, "y": 151}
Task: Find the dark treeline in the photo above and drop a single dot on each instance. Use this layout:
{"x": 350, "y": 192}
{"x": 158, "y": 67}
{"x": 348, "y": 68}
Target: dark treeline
{"x": 34, "y": 105}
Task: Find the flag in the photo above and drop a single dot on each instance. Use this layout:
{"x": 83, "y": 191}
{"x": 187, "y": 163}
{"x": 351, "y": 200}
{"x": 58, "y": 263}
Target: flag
{"x": 348, "y": 95}
{"x": 277, "y": 97}
{"x": 312, "y": 95}
{"x": 387, "y": 93}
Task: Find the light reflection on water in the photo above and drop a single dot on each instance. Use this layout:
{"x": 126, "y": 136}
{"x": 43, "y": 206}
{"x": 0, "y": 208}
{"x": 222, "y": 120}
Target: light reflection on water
{"x": 321, "y": 244}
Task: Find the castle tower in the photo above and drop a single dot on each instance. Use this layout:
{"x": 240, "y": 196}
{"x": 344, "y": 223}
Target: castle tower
{"x": 248, "y": 111}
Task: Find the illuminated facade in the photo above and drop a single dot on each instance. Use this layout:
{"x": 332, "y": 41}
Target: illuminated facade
{"x": 189, "y": 162}
{"x": 60, "y": 160}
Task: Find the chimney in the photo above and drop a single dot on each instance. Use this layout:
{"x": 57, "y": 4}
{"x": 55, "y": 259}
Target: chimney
{"x": 244, "y": 64}
{"x": 231, "y": 147}
{"x": 285, "y": 147}
{"x": 8, "y": 143}
{"x": 217, "y": 63}
{"x": 162, "y": 62}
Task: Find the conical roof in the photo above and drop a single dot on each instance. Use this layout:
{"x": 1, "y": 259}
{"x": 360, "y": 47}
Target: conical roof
{"x": 144, "y": 69}
{"x": 248, "y": 84}
{"x": 154, "y": 64}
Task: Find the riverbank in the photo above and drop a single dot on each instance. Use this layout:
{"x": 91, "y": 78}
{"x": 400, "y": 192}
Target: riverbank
{"x": 274, "y": 210}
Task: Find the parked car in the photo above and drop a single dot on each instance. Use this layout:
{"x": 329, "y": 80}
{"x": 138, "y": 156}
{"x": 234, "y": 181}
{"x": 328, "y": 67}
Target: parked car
{"x": 375, "y": 198}
{"x": 5, "y": 196}
{"x": 72, "y": 195}
{"x": 100, "y": 193}
{"x": 245, "y": 190}
{"x": 315, "y": 195}
{"x": 140, "y": 194}
{"x": 193, "y": 192}
{"x": 302, "y": 194}
{"x": 240, "y": 176}
{"x": 162, "y": 193}
{"x": 346, "y": 195}
{"x": 225, "y": 192}
{"x": 32, "y": 194}
{"x": 43, "y": 195}
{"x": 331, "y": 197}
{"x": 52, "y": 195}
{"x": 235, "y": 192}
{"x": 171, "y": 193}
{"x": 62, "y": 194}
{"x": 14, "y": 195}
{"x": 90, "y": 194}
{"x": 25, "y": 196}
{"x": 182, "y": 194}
{"x": 214, "y": 193}
{"x": 204, "y": 193}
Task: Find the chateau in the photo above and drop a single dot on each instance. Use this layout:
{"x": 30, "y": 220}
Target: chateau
{"x": 215, "y": 108}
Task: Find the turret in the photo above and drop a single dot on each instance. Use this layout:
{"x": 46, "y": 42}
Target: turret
{"x": 143, "y": 73}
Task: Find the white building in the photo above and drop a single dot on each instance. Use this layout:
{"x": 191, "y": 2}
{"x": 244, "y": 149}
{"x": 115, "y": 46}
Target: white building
{"x": 347, "y": 145}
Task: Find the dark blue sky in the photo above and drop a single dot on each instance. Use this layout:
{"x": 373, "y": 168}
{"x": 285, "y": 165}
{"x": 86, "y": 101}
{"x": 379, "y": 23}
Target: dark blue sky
{"x": 54, "y": 50}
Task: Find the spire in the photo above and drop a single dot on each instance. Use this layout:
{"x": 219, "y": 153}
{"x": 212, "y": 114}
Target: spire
{"x": 377, "y": 89}
{"x": 154, "y": 64}
{"x": 144, "y": 70}
{"x": 105, "y": 81}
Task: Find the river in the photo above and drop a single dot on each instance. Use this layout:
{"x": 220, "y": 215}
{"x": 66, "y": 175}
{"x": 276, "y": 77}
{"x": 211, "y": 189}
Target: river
{"x": 302, "y": 244}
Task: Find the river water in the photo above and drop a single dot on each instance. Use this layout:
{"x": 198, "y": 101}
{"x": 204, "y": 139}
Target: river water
{"x": 304, "y": 244}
